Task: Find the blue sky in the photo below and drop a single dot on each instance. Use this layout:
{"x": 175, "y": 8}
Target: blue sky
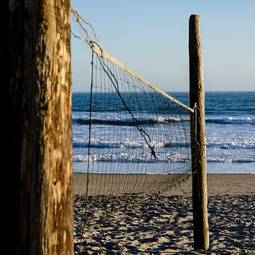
{"x": 151, "y": 37}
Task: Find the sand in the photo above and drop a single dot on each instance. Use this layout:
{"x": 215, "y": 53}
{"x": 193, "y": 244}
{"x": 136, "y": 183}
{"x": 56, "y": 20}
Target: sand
{"x": 232, "y": 184}
{"x": 163, "y": 224}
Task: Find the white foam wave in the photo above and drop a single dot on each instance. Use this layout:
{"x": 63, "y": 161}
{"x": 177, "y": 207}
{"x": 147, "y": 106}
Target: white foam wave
{"x": 234, "y": 120}
{"x": 133, "y": 158}
{"x": 177, "y": 158}
{"x": 245, "y": 143}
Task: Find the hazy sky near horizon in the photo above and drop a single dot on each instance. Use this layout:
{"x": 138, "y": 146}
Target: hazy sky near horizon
{"x": 151, "y": 37}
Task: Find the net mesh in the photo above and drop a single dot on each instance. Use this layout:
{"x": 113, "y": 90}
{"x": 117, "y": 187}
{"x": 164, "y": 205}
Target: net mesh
{"x": 136, "y": 139}
{"x": 132, "y": 139}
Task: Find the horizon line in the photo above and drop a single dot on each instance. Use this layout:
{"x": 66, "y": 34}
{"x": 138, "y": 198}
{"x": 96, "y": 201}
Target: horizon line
{"x": 182, "y": 91}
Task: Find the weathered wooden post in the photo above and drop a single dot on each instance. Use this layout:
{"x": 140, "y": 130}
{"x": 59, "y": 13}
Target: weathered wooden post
{"x": 35, "y": 96}
{"x": 198, "y": 137}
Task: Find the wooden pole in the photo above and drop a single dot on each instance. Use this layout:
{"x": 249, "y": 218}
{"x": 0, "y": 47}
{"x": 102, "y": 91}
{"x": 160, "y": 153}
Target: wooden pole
{"x": 35, "y": 97}
{"x": 198, "y": 137}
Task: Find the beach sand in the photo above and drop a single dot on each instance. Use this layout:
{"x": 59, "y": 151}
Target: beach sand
{"x": 163, "y": 224}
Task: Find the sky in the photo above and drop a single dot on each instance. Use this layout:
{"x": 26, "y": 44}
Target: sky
{"x": 151, "y": 37}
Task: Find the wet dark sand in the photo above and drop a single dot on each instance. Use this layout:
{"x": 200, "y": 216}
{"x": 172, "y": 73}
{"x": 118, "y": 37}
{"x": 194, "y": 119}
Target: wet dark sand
{"x": 232, "y": 184}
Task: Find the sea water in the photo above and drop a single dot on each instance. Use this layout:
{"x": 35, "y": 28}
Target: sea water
{"x": 230, "y": 128}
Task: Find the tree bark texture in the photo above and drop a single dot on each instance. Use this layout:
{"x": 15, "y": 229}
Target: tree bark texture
{"x": 35, "y": 86}
{"x": 198, "y": 137}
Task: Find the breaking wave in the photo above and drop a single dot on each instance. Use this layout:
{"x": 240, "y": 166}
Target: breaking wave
{"x": 128, "y": 121}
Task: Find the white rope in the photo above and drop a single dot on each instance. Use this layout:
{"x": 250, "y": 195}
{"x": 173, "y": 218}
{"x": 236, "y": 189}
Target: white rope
{"x": 82, "y": 23}
{"x": 103, "y": 54}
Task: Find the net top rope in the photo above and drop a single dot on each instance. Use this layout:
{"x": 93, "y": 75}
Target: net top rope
{"x": 103, "y": 54}
{"x": 93, "y": 44}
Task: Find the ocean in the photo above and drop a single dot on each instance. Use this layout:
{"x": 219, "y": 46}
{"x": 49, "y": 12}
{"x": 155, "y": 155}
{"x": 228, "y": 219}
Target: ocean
{"x": 230, "y": 128}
